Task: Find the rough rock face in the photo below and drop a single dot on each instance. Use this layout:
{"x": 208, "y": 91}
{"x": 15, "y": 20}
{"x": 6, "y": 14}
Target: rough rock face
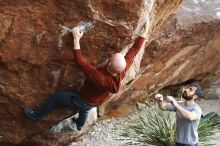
{"x": 33, "y": 65}
{"x": 188, "y": 49}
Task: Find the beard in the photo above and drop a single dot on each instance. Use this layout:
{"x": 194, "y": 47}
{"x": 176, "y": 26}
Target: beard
{"x": 186, "y": 97}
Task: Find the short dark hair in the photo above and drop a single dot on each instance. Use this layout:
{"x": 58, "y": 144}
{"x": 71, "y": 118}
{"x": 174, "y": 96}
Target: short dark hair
{"x": 199, "y": 90}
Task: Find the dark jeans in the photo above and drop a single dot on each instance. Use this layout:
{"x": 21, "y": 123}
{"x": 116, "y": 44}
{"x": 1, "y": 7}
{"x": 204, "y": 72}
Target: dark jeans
{"x": 179, "y": 144}
{"x": 70, "y": 100}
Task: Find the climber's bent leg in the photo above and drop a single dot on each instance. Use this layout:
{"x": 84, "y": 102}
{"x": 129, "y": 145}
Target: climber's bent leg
{"x": 60, "y": 99}
{"x": 84, "y": 109}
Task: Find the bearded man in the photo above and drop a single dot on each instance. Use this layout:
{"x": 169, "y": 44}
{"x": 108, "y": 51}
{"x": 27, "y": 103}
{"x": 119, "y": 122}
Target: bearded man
{"x": 188, "y": 114}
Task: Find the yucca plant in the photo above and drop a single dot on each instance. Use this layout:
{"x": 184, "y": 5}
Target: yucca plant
{"x": 208, "y": 126}
{"x": 153, "y": 127}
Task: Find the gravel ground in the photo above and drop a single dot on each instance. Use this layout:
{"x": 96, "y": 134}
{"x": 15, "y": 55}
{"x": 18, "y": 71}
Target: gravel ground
{"x": 107, "y": 132}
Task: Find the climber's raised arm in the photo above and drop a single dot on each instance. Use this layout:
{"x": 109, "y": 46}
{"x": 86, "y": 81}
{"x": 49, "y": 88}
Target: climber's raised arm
{"x": 91, "y": 73}
{"x": 139, "y": 42}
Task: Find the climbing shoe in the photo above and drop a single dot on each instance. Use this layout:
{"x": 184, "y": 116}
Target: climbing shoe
{"x": 30, "y": 114}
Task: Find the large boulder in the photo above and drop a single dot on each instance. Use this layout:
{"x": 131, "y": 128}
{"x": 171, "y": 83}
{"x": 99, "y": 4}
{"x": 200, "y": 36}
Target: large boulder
{"x": 34, "y": 64}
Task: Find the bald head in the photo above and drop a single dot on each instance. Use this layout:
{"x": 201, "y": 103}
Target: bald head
{"x": 117, "y": 63}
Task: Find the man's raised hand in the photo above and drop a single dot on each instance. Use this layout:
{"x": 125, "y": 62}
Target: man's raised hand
{"x": 159, "y": 97}
{"x": 171, "y": 100}
{"x": 145, "y": 32}
{"x": 77, "y": 34}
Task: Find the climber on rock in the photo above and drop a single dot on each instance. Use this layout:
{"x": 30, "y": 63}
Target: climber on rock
{"x": 99, "y": 82}
{"x": 188, "y": 114}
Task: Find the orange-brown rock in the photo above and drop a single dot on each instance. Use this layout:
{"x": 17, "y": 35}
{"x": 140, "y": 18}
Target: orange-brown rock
{"x": 33, "y": 64}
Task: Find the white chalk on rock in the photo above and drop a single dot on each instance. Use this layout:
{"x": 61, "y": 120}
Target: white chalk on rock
{"x": 83, "y": 26}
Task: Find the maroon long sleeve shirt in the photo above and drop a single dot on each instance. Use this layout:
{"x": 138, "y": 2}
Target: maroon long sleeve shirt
{"x": 99, "y": 82}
